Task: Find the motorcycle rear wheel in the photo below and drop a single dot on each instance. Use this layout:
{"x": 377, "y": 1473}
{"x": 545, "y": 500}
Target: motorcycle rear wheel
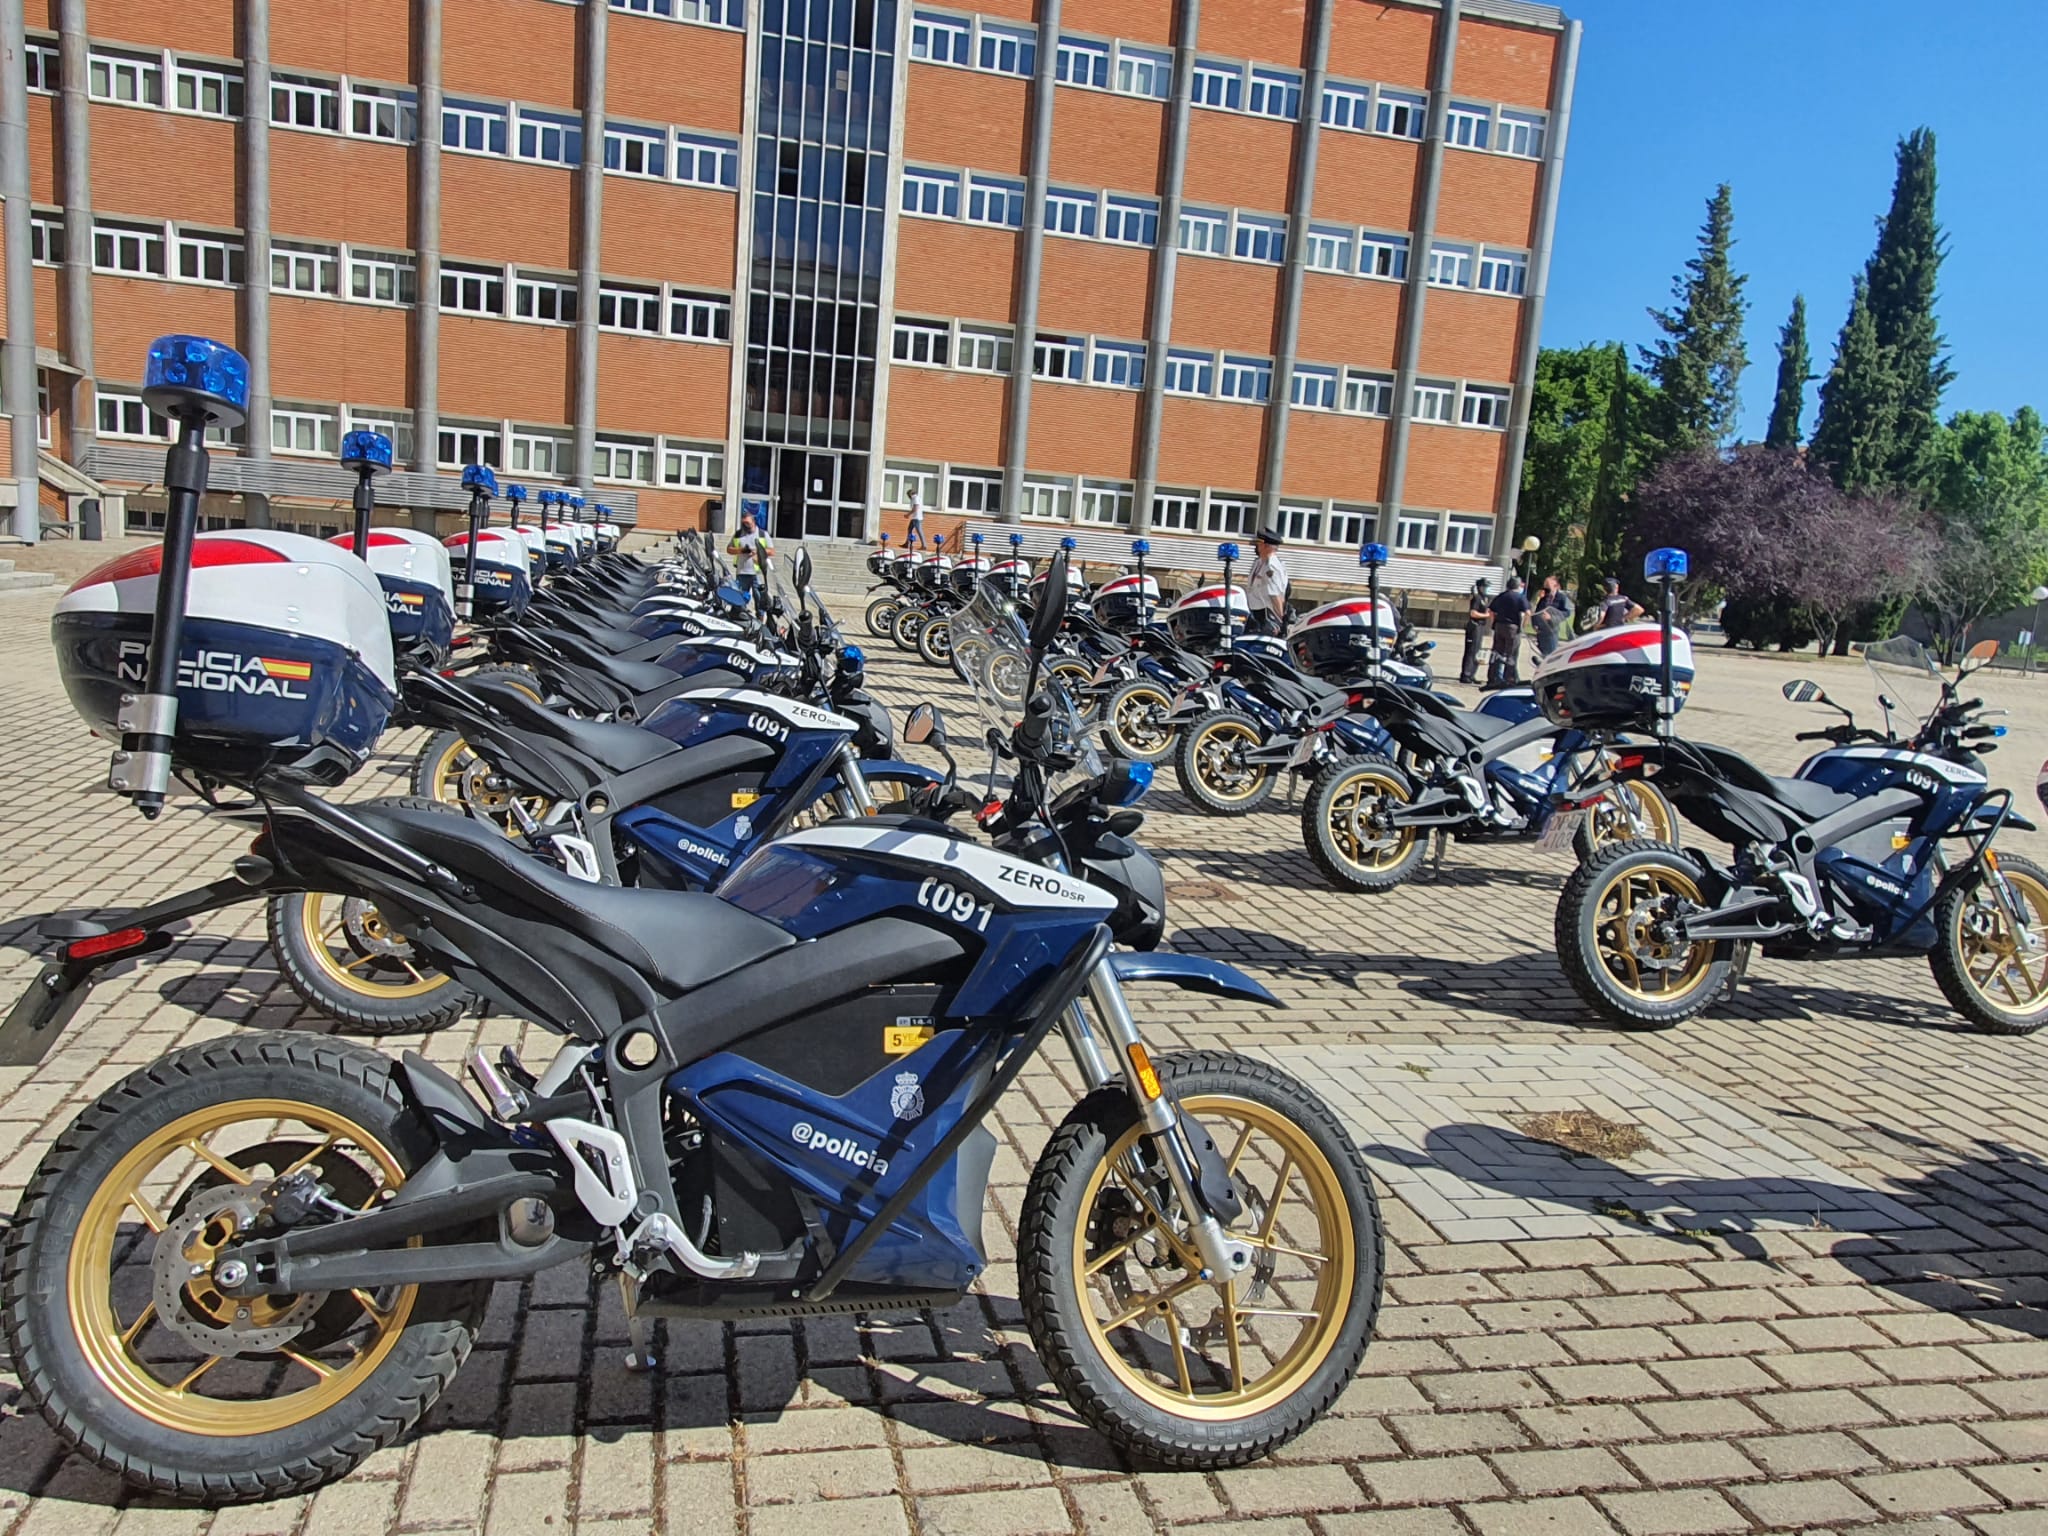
{"x": 1134, "y": 722}
{"x": 1986, "y": 970}
{"x": 1647, "y": 817}
{"x": 881, "y": 618}
{"x": 908, "y": 624}
{"x": 1207, "y": 763}
{"x": 1185, "y": 1372}
{"x": 1611, "y": 948}
{"x": 1337, "y": 825}
{"x": 935, "y": 643}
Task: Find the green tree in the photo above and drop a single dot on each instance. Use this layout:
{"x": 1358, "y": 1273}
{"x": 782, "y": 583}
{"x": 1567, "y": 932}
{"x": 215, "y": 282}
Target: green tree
{"x": 1987, "y": 485}
{"x": 1904, "y": 273}
{"x": 1852, "y": 439}
{"x": 1697, "y": 364}
{"x": 1627, "y": 452}
{"x": 1795, "y": 371}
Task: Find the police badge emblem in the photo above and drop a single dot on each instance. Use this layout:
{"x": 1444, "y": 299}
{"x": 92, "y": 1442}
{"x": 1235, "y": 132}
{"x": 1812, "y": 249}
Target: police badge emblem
{"x": 906, "y": 1099}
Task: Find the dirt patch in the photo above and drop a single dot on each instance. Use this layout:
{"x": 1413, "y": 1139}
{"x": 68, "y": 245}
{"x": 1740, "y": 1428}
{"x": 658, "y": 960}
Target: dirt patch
{"x": 1201, "y": 890}
{"x": 1585, "y": 1133}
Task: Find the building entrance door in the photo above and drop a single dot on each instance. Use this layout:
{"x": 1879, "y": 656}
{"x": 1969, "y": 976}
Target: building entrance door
{"x": 813, "y": 495}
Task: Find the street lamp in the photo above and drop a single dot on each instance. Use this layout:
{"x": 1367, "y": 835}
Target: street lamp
{"x": 1529, "y": 547}
{"x": 2034, "y": 635}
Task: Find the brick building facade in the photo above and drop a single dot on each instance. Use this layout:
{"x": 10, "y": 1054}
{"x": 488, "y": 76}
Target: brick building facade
{"x": 1174, "y": 267}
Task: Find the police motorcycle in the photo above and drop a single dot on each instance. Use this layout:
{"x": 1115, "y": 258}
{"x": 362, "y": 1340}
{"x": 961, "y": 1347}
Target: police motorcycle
{"x": 895, "y": 578}
{"x": 1876, "y": 846}
{"x": 254, "y": 1262}
{"x": 1507, "y": 771}
{"x": 412, "y": 567}
{"x": 933, "y": 626}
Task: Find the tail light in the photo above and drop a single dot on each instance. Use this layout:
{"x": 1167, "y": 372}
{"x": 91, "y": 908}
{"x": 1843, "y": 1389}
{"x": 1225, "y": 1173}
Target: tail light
{"x": 106, "y": 944}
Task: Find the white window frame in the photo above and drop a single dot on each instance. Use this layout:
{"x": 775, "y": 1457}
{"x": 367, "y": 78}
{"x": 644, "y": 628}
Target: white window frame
{"x": 620, "y": 459}
{"x": 321, "y": 98}
{"x": 547, "y": 453}
{"x": 1314, "y": 386}
{"x": 1434, "y": 401}
{"x": 200, "y": 249}
{"x": 1059, "y": 359}
{"x": 1130, "y": 220}
{"x": 1252, "y": 231}
{"x": 627, "y": 143}
{"x": 929, "y": 193}
{"x": 705, "y": 318}
{"x": 1146, "y": 73}
{"x": 1417, "y": 533}
{"x": 1366, "y": 393}
{"x": 984, "y": 348}
{"x": 1203, "y": 232}
{"x": 974, "y": 490}
{"x": 1071, "y": 212}
{"x": 289, "y": 421}
{"x": 692, "y": 466}
{"x": 1301, "y": 522}
{"x": 198, "y": 74}
{"x": 939, "y": 38}
{"x": 44, "y": 436}
{"x": 629, "y": 305}
{"x": 489, "y": 119}
{"x": 386, "y": 113}
{"x": 402, "y": 270}
{"x": 1468, "y": 125}
{"x": 1347, "y": 106}
{"x": 988, "y": 191}
{"x": 1383, "y": 256}
{"x": 725, "y": 14}
{"x": 46, "y": 238}
{"x": 540, "y": 137}
{"x": 1085, "y": 56}
{"x": 1117, "y": 364}
{"x": 1106, "y": 503}
{"x": 1190, "y": 374}
{"x": 1350, "y": 526}
{"x": 478, "y": 290}
{"x": 1230, "y": 514}
{"x": 107, "y": 68}
{"x": 1329, "y": 248}
{"x": 1484, "y": 406}
{"x": 1502, "y": 272}
{"x": 921, "y": 343}
{"x": 132, "y": 420}
{"x": 145, "y": 238}
{"x": 900, "y": 477}
{"x": 1176, "y": 511}
{"x": 1520, "y": 135}
{"x": 1450, "y": 264}
{"x": 41, "y": 65}
{"x": 1467, "y": 537}
{"x": 542, "y": 298}
{"x": 394, "y": 424}
{"x": 705, "y": 159}
{"x": 1245, "y": 379}
{"x": 1399, "y": 114}
{"x": 487, "y": 438}
{"x": 310, "y": 270}
{"x": 1218, "y": 85}
{"x": 1046, "y": 499}
{"x": 1274, "y": 93}
{"x": 1005, "y": 47}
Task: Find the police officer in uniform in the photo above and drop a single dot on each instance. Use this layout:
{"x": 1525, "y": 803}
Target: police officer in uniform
{"x": 1266, "y": 588}
{"x": 1478, "y": 618}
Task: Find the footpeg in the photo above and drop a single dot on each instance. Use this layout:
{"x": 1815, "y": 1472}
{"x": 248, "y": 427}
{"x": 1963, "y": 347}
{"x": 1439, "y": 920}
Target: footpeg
{"x": 507, "y": 1103}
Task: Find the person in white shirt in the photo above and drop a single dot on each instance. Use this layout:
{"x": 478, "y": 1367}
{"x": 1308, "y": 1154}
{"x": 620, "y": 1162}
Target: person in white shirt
{"x": 1266, "y": 588}
{"x": 914, "y": 537}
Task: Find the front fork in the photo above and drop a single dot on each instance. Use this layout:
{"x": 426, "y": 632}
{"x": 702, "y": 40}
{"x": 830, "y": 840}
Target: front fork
{"x": 1223, "y": 1256}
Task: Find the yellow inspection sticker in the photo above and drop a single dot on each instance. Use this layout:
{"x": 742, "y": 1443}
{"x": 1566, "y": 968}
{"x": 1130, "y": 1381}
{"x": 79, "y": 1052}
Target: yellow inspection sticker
{"x": 742, "y": 798}
{"x": 902, "y": 1039}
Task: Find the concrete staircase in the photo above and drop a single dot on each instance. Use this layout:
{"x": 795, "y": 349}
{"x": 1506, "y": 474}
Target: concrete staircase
{"x": 12, "y": 580}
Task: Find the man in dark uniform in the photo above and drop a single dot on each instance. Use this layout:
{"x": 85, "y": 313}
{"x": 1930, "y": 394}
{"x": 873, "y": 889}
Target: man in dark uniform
{"x": 1509, "y": 610}
{"x": 1477, "y": 616}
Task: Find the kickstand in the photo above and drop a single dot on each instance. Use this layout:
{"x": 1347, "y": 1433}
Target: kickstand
{"x": 1738, "y": 969}
{"x": 640, "y": 1356}
{"x": 1439, "y": 841}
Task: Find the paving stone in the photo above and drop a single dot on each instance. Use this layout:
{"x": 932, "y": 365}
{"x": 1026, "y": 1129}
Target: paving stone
{"x": 1693, "y": 1461}
{"x": 1805, "y": 1455}
{"x": 1436, "y": 1433}
{"x": 1015, "y": 1512}
{"x": 1562, "y": 1471}
{"x": 1802, "y": 1506}
{"x": 853, "y": 1517}
{"x": 1674, "y": 1512}
{"x": 845, "y": 1474}
{"x": 1289, "y": 1490}
{"x": 1431, "y": 1480}
{"x": 1573, "y": 1516}
{"x": 1936, "y": 1490}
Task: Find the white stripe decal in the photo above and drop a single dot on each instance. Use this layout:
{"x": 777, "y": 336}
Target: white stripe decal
{"x": 1009, "y": 881}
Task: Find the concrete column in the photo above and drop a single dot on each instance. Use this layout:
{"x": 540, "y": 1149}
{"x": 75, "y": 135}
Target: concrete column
{"x": 1165, "y": 261}
{"x": 1394, "y": 471}
{"x": 426, "y": 317}
{"x": 590, "y": 234}
{"x": 74, "y": 136}
{"x": 743, "y": 262}
{"x": 19, "y": 380}
{"x": 892, "y": 217}
{"x": 1306, "y": 138}
{"x": 1530, "y": 341}
{"x": 256, "y": 242}
{"x": 1017, "y": 440}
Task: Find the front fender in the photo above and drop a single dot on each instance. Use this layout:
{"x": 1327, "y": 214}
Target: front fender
{"x": 1195, "y": 972}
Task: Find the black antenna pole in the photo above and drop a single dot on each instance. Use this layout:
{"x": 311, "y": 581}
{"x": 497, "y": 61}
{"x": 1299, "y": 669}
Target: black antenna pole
{"x": 367, "y": 455}
{"x": 482, "y": 485}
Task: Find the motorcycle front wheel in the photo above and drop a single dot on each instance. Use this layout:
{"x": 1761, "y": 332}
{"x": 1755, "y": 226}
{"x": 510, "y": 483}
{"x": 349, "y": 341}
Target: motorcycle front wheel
{"x": 118, "y": 1332}
{"x": 1995, "y": 974}
{"x": 1211, "y": 767}
{"x": 1616, "y": 944}
{"x": 1345, "y": 826}
{"x": 881, "y": 618}
{"x": 1634, "y": 810}
{"x": 935, "y": 643}
{"x": 1134, "y": 721}
{"x": 908, "y": 624}
{"x": 1190, "y": 1372}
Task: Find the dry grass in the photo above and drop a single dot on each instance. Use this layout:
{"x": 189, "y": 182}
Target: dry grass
{"x": 1585, "y": 1133}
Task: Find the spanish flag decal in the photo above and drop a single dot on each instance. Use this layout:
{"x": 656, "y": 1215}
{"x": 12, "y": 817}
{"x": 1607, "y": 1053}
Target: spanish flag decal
{"x": 291, "y": 671}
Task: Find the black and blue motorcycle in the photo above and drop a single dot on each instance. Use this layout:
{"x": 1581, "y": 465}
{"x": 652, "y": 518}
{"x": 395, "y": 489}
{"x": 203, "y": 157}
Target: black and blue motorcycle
{"x": 1878, "y": 845}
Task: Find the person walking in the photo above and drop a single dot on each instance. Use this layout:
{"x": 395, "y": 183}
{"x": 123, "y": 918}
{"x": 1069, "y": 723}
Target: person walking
{"x": 1266, "y": 588}
{"x": 1552, "y": 616}
{"x": 1504, "y": 669}
{"x": 914, "y": 537}
{"x": 750, "y": 551}
{"x": 1478, "y": 615}
{"x": 1615, "y": 608}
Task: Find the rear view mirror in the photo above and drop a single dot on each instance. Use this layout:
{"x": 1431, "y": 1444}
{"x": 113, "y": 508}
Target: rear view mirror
{"x": 800, "y": 570}
{"x": 924, "y": 726}
{"x": 1052, "y": 604}
{"x": 1978, "y": 654}
{"x": 1800, "y": 691}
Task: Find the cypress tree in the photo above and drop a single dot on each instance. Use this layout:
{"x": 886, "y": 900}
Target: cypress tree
{"x": 1698, "y": 362}
{"x": 1903, "y": 274}
{"x": 1795, "y": 368}
{"x": 1852, "y": 439}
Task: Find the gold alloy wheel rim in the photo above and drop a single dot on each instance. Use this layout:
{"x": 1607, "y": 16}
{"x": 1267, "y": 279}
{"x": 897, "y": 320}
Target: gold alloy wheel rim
{"x": 1646, "y": 815}
{"x": 1624, "y": 916}
{"x": 325, "y": 929}
{"x": 1211, "y": 756}
{"x": 1140, "y": 714}
{"x": 167, "y": 1388}
{"x": 1995, "y": 959}
{"x": 1353, "y": 800}
{"x": 456, "y": 779}
{"x": 1140, "y": 1279}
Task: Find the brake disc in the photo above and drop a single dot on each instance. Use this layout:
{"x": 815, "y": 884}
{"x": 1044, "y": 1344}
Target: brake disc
{"x": 368, "y": 932}
{"x": 188, "y": 1303}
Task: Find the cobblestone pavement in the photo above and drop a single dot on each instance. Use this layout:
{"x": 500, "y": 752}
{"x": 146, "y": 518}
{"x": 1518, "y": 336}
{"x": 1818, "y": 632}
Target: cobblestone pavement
{"x": 1818, "y": 1301}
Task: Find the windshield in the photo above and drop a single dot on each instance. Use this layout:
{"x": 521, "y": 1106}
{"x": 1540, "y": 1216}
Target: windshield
{"x": 991, "y": 652}
{"x": 1908, "y": 679}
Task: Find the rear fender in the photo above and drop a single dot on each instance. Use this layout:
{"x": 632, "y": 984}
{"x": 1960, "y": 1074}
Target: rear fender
{"x": 1196, "y": 973}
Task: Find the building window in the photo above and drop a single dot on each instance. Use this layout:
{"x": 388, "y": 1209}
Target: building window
{"x": 636, "y": 152}
{"x": 43, "y": 432}
{"x": 533, "y": 451}
{"x": 1328, "y": 249}
{"x": 1467, "y": 125}
{"x": 629, "y": 309}
{"x": 1260, "y": 238}
{"x": 922, "y": 341}
{"x": 1190, "y": 373}
{"x": 1519, "y": 133}
{"x": 1119, "y": 363}
{"x": 472, "y": 291}
{"x": 1481, "y": 407}
{"x": 1415, "y": 533}
{"x": 715, "y": 13}
{"x": 1082, "y": 62}
{"x": 703, "y": 160}
{"x": 1056, "y": 357}
{"x": 120, "y": 414}
{"x": 212, "y": 90}
{"x": 1176, "y": 511}
{"x": 623, "y": 460}
{"x": 1433, "y": 401}
{"x": 549, "y": 138}
{"x": 1143, "y": 72}
{"x": 396, "y": 425}
{"x": 1347, "y": 106}
{"x": 1219, "y": 85}
{"x": 1470, "y": 536}
{"x": 46, "y": 239}
{"x": 1107, "y": 503}
{"x": 899, "y": 480}
{"x": 693, "y": 466}
{"x": 1450, "y": 266}
{"x": 1503, "y": 272}
{"x": 1007, "y": 50}
{"x": 1046, "y": 499}
{"x": 40, "y": 59}
{"x": 1382, "y": 255}
{"x": 375, "y": 278}
{"x": 1276, "y": 93}
{"x": 1400, "y": 113}
{"x": 984, "y": 349}
{"x": 298, "y": 102}
{"x": 1070, "y": 213}
{"x": 995, "y": 200}
{"x": 550, "y": 299}
{"x": 1203, "y": 233}
{"x": 473, "y": 126}
{"x": 376, "y": 112}
{"x": 1301, "y": 522}
{"x": 699, "y": 317}
{"x": 1352, "y": 527}
{"x": 1368, "y": 394}
{"x": 213, "y": 259}
{"x": 311, "y": 269}
{"x": 1314, "y": 387}
{"x": 1231, "y": 515}
{"x": 304, "y": 429}
{"x": 1130, "y": 220}
{"x": 936, "y": 193}
{"x": 131, "y": 80}
{"x": 1247, "y": 378}
{"x": 136, "y": 250}
{"x": 938, "y": 39}
{"x": 462, "y": 443}
{"x": 973, "y": 490}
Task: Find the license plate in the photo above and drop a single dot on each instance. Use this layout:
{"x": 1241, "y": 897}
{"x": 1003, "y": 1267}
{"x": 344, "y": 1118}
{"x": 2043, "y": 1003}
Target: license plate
{"x": 1561, "y": 829}
{"x": 1304, "y": 750}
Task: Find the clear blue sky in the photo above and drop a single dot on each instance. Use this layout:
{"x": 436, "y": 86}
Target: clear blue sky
{"x": 1798, "y": 104}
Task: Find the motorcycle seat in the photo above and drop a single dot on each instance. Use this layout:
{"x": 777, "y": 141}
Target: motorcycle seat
{"x": 682, "y": 938}
{"x": 619, "y": 748}
{"x": 1480, "y": 726}
{"x": 633, "y": 676}
{"x": 1810, "y": 800}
